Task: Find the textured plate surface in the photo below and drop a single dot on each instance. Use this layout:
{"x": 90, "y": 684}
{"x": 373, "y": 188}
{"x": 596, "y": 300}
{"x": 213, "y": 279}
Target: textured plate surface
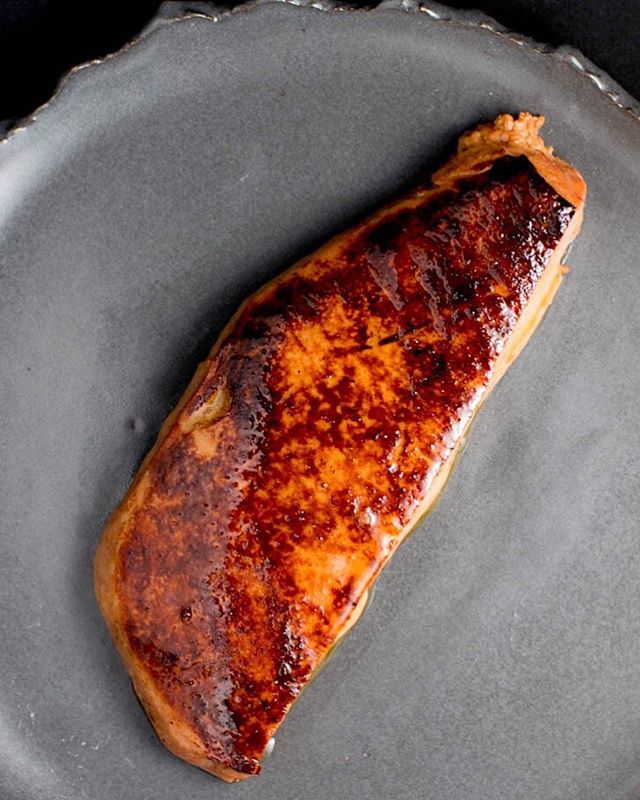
{"x": 499, "y": 658}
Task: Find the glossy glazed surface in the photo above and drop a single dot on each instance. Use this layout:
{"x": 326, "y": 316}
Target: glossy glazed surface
{"x": 499, "y": 655}
{"x": 289, "y": 477}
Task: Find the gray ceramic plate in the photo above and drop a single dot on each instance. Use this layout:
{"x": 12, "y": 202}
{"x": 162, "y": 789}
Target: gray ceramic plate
{"x": 500, "y": 657}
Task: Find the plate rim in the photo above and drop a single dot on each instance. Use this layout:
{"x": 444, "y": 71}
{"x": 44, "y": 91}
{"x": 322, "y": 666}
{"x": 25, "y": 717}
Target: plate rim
{"x": 386, "y": 7}
{"x": 176, "y": 12}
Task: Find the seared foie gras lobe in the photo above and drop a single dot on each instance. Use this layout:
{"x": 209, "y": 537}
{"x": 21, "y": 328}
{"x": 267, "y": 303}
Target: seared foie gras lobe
{"x": 319, "y": 430}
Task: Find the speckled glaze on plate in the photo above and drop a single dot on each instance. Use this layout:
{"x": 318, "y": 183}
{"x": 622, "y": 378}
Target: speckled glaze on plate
{"x": 499, "y": 656}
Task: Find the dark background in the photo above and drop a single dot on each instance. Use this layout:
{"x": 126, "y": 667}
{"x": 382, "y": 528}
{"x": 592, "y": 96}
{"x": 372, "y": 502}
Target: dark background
{"x": 41, "y": 39}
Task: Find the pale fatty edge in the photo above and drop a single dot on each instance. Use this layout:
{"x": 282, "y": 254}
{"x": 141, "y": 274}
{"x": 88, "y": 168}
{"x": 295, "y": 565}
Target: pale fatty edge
{"x": 173, "y": 12}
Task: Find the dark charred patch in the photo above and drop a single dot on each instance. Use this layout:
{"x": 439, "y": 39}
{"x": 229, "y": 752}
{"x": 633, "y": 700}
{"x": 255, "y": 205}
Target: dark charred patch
{"x": 385, "y": 235}
{"x": 389, "y": 339}
{"x": 343, "y": 596}
{"x": 464, "y": 291}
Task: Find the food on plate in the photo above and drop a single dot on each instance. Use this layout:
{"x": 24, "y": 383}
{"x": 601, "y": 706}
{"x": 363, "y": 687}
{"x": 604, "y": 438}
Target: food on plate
{"x": 320, "y": 429}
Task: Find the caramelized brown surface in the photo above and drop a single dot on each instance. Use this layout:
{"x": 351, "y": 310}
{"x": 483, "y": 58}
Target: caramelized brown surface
{"x": 307, "y": 445}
